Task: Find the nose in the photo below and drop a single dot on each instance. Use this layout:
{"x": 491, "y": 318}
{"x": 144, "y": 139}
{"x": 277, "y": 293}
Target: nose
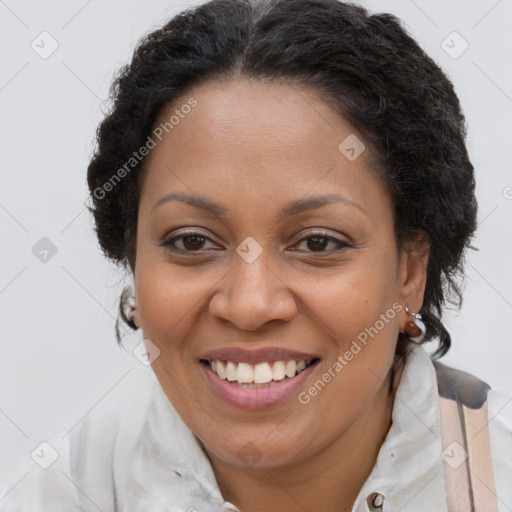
{"x": 251, "y": 295}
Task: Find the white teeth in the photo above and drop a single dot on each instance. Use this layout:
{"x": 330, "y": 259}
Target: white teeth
{"x": 231, "y": 371}
{"x": 244, "y": 373}
{"x": 254, "y": 375}
{"x": 262, "y": 373}
{"x": 291, "y": 369}
{"x": 278, "y": 370}
{"x": 221, "y": 369}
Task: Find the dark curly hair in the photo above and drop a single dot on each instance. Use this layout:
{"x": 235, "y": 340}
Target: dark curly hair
{"x": 365, "y": 65}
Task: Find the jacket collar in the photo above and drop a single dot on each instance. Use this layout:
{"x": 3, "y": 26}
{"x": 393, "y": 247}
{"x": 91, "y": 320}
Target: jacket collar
{"x": 169, "y": 471}
{"x": 409, "y": 471}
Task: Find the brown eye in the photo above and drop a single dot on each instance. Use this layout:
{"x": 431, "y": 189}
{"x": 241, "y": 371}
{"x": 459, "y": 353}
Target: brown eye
{"x": 193, "y": 242}
{"x": 190, "y": 242}
{"x": 319, "y": 242}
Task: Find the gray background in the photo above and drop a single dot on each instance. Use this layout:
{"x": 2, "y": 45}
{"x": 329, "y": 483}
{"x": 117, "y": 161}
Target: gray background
{"x": 59, "y": 358}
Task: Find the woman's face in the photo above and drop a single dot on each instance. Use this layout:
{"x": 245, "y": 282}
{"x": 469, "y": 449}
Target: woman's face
{"x": 281, "y": 249}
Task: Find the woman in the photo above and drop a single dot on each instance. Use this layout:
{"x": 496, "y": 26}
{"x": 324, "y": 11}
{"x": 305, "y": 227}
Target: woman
{"x": 288, "y": 184}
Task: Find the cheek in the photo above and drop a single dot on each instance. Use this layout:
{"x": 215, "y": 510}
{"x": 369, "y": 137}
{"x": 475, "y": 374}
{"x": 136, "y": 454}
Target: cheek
{"x": 168, "y": 298}
{"x": 355, "y": 297}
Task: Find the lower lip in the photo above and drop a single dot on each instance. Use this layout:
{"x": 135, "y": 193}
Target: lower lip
{"x": 257, "y": 398}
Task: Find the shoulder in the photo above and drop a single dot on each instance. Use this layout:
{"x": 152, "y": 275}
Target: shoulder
{"x": 25, "y": 483}
{"x": 473, "y": 393}
{"x": 91, "y": 454}
{"x": 486, "y": 418}
{"x": 500, "y": 437}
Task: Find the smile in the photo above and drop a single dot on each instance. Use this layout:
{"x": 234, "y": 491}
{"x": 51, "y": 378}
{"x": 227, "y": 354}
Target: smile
{"x": 257, "y": 383}
{"x": 257, "y": 375}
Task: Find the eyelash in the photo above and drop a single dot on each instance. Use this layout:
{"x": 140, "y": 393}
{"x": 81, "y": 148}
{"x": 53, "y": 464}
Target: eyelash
{"x": 169, "y": 244}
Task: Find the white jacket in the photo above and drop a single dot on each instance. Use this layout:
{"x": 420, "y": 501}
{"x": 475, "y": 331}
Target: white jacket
{"x": 133, "y": 453}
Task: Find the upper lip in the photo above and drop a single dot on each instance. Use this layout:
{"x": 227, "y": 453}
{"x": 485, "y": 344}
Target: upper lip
{"x": 260, "y": 355}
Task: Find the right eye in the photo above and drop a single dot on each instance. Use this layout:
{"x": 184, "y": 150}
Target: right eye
{"x": 191, "y": 242}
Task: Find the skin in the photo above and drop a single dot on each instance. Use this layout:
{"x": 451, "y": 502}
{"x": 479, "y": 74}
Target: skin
{"x": 253, "y": 148}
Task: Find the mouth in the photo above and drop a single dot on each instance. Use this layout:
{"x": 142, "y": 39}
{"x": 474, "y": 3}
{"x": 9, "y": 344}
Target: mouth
{"x": 255, "y": 383}
{"x": 260, "y": 375}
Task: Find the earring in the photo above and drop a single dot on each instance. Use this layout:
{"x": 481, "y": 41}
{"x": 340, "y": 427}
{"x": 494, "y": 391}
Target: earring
{"x": 416, "y": 326}
{"x": 128, "y": 305}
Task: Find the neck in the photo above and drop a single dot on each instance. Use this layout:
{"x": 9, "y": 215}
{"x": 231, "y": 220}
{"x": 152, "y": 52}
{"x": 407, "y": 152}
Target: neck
{"x": 330, "y": 480}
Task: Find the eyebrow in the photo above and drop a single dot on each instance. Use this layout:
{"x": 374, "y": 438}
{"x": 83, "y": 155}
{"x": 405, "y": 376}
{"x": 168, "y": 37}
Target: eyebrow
{"x": 293, "y": 208}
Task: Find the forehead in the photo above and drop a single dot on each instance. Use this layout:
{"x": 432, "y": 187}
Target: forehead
{"x": 247, "y": 138}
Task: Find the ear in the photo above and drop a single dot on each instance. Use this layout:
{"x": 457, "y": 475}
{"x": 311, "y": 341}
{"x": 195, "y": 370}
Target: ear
{"x": 412, "y": 273}
{"x": 135, "y": 312}
{"x": 136, "y": 317}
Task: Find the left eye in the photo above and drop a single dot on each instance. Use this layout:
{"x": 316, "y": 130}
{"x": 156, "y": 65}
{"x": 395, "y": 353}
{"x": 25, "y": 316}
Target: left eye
{"x": 318, "y": 242}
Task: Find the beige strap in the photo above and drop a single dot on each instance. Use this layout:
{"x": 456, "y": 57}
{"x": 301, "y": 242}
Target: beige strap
{"x": 480, "y": 463}
{"x": 456, "y": 470}
{"x": 467, "y": 454}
